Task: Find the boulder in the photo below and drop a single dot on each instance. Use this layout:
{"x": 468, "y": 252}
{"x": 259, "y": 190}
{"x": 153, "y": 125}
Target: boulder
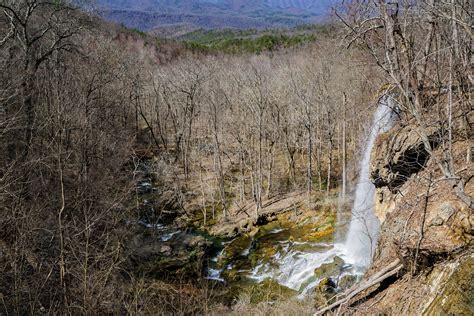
{"x": 325, "y": 291}
{"x": 327, "y": 270}
{"x": 346, "y": 281}
{"x": 182, "y": 256}
{"x": 166, "y": 250}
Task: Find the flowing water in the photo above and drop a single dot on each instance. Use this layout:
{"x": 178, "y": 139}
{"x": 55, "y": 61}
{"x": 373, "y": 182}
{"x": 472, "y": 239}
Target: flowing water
{"x": 289, "y": 255}
{"x": 364, "y": 227}
{"x": 296, "y": 253}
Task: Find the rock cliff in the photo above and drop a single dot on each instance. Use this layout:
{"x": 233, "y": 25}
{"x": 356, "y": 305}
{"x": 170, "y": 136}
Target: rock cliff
{"x": 424, "y": 225}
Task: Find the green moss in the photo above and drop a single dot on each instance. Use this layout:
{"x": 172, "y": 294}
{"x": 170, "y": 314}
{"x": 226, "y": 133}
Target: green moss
{"x": 327, "y": 269}
{"x": 235, "y": 249}
{"x": 307, "y": 247}
{"x": 347, "y": 281}
{"x": 247, "y": 251}
{"x": 262, "y": 255}
{"x": 457, "y": 296}
{"x": 269, "y": 290}
{"x": 325, "y": 291}
{"x": 305, "y": 284}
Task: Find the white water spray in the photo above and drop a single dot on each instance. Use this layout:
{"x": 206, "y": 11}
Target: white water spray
{"x": 364, "y": 227}
{"x": 295, "y": 268}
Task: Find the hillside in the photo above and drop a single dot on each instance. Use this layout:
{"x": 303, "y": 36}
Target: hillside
{"x": 252, "y": 41}
{"x": 150, "y": 14}
{"x": 316, "y": 170}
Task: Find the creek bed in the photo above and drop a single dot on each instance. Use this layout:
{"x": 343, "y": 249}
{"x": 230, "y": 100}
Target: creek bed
{"x": 285, "y": 252}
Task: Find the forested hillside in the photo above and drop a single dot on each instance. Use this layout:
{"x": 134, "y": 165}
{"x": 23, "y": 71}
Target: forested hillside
{"x": 215, "y": 176}
{"x": 241, "y": 14}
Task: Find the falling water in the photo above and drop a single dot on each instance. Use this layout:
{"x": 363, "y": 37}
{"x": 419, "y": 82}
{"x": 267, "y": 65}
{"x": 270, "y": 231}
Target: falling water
{"x": 364, "y": 227}
{"x": 293, "y": 267}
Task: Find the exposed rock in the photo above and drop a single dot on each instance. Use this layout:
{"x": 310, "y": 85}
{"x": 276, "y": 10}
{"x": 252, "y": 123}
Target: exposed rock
{"x": 445, "y": 211}
{"x": 399, "y": 154}
{"x": 446, "y": 289}
{"x": 232, "y": 229}
{"x": 456, "y": 295}
{"x": 446, "y": 223}
{"x": 425, "y": 226}
{"x": 166, "y": 250}
{"x": 329, "y": 269}
{"x": 346, "y": 282}
{"x": 197, "y": 242}
{"x": 325, "y": 291}
{"x": 184, "y": 255}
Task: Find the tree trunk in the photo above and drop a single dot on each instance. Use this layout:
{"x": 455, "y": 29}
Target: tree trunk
{"x": 344, "y": 149}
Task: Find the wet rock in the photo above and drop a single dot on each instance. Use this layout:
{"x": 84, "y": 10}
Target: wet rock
{"x": 263, "y": 253}
{"x": 307, "y": 283}
{"x": 327, "y": 286}
{"x": 327, "y": 270}
{"x": 325, "y": 291}
{"x": 182, "y": 256}
{"x": 144, "y": 187}
{"x": 309, "y": 247}
{"x": 346, "y": 281}
{"x": 270, "y": 290}
{"x": 262, "y": 220}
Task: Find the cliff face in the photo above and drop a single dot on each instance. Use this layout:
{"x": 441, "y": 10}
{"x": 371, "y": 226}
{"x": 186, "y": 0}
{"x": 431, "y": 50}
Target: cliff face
{"x": 424, "y": 225}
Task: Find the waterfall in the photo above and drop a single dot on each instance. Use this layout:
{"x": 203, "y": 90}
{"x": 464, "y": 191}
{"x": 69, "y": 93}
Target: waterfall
{"x": 364, "y": 226}
{"x": 294, "y": 263}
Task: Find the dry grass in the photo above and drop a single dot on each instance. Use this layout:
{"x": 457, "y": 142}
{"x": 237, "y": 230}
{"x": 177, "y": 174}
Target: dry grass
{"x": 280, "y": 307}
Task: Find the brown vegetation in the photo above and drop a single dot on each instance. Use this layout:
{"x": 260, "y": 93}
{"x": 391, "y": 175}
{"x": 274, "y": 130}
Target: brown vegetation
{"x": 80, "y": 110}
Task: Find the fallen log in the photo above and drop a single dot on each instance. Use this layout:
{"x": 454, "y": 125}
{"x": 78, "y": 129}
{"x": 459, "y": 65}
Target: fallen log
{"x": 385, "y": 273}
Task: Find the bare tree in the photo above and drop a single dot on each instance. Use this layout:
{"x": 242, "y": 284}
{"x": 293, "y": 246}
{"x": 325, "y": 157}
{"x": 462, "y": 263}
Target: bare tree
{"x": 419, "y": 46}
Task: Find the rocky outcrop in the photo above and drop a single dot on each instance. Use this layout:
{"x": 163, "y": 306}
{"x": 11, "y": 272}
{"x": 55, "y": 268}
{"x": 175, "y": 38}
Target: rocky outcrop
{"x": 418, "y": 209}
{"x": 399, "y": 154}
{"x": 424, "y": 225}
{"x": 181, "y": 256}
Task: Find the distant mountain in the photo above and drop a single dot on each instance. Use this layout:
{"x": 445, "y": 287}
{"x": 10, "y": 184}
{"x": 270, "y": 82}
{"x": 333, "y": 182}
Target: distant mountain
{"x": 147, "y": 15}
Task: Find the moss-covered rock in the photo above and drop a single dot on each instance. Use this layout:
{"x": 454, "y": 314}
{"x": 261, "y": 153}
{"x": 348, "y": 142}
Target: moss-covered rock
{"x": 182, "y": 256}
{"x": 346, "y": 281}
{"x": 457, "y": 296}
{"x": 306, "y": 283}
{"x": 269, "y": 290}
{"x": 329, "y": 269}
{"x": 325, "y": 291}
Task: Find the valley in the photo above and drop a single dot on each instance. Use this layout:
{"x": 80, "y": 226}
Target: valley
{"x": 226, "y": 157}
{"x": 147, "y": 15}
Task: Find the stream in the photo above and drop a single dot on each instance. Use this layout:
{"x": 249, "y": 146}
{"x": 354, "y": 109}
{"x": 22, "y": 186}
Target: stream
{"x": 284, "y": 252}
{"x": 298, "y": 253}
{"x": 297, "y": 258}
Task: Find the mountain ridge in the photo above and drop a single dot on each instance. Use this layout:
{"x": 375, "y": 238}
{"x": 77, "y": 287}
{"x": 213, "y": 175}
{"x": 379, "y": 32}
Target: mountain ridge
{"x": 147, "y": 15}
